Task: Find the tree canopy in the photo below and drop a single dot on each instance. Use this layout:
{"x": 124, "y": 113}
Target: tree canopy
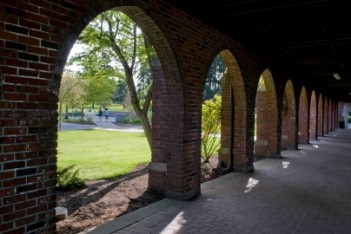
{"x": 213, "y": 80}
{"x": 118, "y": 51}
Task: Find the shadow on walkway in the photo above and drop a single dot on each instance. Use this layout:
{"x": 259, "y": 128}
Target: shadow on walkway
{"x": 305, "y": 191}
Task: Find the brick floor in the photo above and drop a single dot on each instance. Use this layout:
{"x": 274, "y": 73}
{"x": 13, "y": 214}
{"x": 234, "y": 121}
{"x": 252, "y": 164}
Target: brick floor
{"x": 306, "y": 191}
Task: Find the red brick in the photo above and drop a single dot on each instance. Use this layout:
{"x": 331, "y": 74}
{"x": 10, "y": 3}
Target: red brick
{"x": 6, "y": 226}
{"x": 25, "y": 220}
{"x": 6, "y": 192}
{"x": 6, "y": 175}
{"x": 14, "y": 182}
{"x": 25, "y": 205}
{"x": 13, "y": 216}
{"x": 14, "y": 199}
{"x": 16, "y": 231}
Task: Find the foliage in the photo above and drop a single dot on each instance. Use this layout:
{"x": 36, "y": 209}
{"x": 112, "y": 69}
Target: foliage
{"x": 72, "y": 92}
{"x": 211, "y": 126}
{"x": 97, "y": 73}
{"x": 261, "y": 84}
{"x": 67, "y": 178}
{"x": 102, "y": 154}
{"x": 116, "y": 47}
{"x": 120, "y": 92}
{"x": 214, "y": 75}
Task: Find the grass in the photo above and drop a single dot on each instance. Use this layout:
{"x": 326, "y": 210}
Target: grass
{"x": 102, "y": 154}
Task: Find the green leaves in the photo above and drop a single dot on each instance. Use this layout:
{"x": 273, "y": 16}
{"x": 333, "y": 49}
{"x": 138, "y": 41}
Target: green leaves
{"x": 117, "y": 51}
{"x": 211, "y": 126}
{"x": 67, "y": 179}
{"x": 214, "y": 76}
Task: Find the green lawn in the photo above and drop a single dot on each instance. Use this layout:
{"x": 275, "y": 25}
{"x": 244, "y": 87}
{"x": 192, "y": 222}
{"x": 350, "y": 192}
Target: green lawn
{"x": 102, "y": 154}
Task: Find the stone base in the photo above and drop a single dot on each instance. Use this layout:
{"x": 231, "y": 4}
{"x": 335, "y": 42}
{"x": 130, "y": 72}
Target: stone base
{"x": 60, "y": 213}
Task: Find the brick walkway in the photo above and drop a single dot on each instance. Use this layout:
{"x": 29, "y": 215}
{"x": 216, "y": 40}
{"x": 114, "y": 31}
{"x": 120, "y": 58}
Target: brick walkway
{"x": 305, "y": 191}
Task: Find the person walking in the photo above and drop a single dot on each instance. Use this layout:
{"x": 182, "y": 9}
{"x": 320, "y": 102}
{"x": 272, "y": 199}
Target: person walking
{"x": 106, "y": 114}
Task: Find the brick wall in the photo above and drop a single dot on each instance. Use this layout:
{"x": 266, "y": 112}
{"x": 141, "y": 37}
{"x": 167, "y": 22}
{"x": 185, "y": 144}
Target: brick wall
{"x": 326, "y": 116}
{"x": 267, "y": 119}
{"x": 289, "y": 118}
{"x": 303, "y": 133}
{"x": 313, "y": 117}
{"x": 320, "y": 116}
{"x": 233, "y": 136}
{"x": 35, "y": 39}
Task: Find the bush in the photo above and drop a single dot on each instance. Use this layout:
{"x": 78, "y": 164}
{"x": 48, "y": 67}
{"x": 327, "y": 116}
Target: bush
{"x": 67, "y": 179}
{"x": 211, "y": 127}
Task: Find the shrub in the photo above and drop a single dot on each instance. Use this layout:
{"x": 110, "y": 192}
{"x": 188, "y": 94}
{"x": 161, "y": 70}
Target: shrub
{"x": 67, "y": 179}
{"x": 211, "y": 127}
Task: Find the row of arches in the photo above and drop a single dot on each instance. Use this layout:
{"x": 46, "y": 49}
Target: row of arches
{"x": 36, "y": 40}
{"x": 277, "y": 126}
{"x": 249, "y": 129}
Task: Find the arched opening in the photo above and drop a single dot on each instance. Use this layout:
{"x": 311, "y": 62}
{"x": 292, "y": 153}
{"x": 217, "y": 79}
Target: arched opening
{"x": 232, "y": 154}
{"x": 289, "y": 118}
{"x": 326, "y": 116}
{"x": 166, "y": 121}
{"x": 303, "y": 133}
{"x": 212, "y": 116}
{"x": 313, "y": 117}
{"x": 320, "y": 116}
{"x": 345, "y": 118}
{"x": 266, "y": 117}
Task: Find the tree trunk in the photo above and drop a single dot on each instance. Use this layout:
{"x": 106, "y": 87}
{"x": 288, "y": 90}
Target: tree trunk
{"x": 60, "y": 116}
{"x": 142, "y": 115}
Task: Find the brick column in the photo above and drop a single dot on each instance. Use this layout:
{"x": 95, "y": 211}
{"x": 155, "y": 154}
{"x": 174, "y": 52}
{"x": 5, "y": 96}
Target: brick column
{"x": 313, "y": 117}
{"x": 158, "y": 165}
{"x": 225, "y": 154}
{"x": 303, "y": 118}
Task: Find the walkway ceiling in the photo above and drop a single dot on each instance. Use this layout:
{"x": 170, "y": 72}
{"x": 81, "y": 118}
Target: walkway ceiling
{"x": 310, "y": 39}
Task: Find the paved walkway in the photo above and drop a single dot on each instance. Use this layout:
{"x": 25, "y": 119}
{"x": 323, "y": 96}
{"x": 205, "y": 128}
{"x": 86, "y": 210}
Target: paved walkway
{"x": 306, "y": 191}
{"x": 108, "y": 124}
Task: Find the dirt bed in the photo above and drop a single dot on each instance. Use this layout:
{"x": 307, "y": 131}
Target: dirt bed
{"x": 105, "y": 200}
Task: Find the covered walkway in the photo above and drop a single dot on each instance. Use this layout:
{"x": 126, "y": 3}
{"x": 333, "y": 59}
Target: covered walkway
{"x": 306, "y": 191}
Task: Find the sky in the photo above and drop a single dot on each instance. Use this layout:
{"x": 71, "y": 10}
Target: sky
{"x": 77, "y": 48}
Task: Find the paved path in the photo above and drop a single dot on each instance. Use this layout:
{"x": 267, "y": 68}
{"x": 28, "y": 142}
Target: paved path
{"x": 306, "y": 191}
{"x": 102, "y": 124}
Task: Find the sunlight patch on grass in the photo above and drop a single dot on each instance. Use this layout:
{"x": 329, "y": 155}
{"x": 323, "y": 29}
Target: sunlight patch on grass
{"x": 102, "y": 154}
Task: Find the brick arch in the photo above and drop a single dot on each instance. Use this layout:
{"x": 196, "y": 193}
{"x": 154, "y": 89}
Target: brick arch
{"x": 266, "y": 118}
{"x": 313, "y": 117}
{"x": 168, "y": 118}
{"x": 330, "y": 114}
{"x": 168, "y": 104}
{"x": 326, "y": 116}
{"x": 232, "y": 154}
{"x": 289, "y": 118}
{"x": 320, "y": 116}
{"x": 134, "y": 9}
{"x": 303, "y": 133}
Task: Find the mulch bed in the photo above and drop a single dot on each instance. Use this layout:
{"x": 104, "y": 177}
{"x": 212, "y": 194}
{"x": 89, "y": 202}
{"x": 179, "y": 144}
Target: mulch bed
{"x": 105, "y": 200}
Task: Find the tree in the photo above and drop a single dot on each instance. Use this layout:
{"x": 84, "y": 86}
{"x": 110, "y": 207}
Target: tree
{"x": 72, "y": 92}
{"x": 119, "y": 44}
{"x": 99, "y": 75}
{"x": 119, "y": 95}
{"x": 211, "y": 126}
{"x": 214, "y": 75}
